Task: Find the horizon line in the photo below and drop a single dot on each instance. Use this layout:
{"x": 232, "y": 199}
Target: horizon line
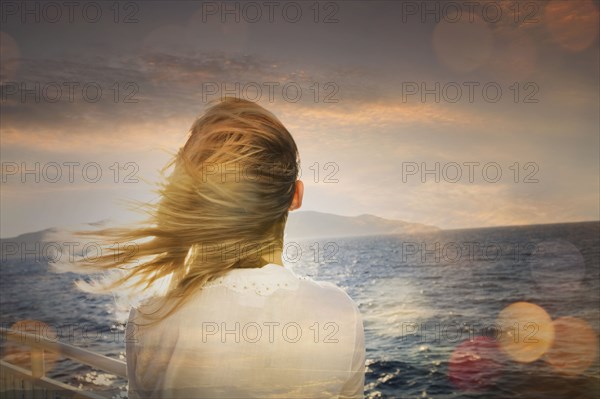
{"x": 381, "y": 217}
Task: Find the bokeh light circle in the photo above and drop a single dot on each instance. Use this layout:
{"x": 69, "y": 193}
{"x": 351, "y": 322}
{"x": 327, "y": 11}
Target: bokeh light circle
{"x": 514, "y": 57}
{"x": 575, "y": 346}
{"x": 19, "y": 354}
{"x": 475, "y": 364}
{"x": 557, "y": 265}
{"x": 527, "y": 331}
{"x": 572, "y": 24}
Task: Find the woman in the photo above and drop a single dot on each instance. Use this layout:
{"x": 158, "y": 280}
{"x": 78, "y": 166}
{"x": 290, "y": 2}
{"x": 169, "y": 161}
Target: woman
{"x": 234, "y": 322}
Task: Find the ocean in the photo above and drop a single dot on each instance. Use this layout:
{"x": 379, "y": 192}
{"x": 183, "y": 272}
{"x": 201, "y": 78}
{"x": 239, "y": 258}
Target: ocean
{"x": 426, "y": 300}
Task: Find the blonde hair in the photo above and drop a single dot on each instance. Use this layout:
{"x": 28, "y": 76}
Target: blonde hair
{"x": 223, "y": 206}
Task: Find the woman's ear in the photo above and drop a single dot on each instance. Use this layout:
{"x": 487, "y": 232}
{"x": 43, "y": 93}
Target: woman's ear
{"x": 298, "y": 194}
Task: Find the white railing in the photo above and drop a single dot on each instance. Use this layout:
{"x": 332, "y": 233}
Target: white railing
{"x": 17, "y": 382}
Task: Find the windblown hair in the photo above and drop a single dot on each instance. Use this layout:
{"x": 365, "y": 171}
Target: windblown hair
{"x": 224, "y": 205}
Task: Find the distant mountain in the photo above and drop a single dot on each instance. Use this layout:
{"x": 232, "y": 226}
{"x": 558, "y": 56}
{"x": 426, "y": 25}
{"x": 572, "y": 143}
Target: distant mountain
{"x": 36, "y": 247}
{"x": 311, "y": 224}
{"x": 300, "y": 225}
{"x": 28, "y": 246}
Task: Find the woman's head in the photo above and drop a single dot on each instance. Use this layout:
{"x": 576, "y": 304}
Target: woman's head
{"x": 224, "y": 205}
{"x": 243, "y": 164}
{"x": 235, "y": 178}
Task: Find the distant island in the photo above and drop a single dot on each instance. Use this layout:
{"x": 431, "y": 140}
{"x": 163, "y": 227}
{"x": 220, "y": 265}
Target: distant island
{"x": 300, "y": 225}
{"x": 312, "y": 224}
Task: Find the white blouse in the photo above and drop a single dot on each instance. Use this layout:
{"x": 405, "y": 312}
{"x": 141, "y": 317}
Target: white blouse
{"x": 254, "y": 333}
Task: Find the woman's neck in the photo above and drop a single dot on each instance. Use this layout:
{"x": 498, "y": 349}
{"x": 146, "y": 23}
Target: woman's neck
{"x": 274, "y": 256}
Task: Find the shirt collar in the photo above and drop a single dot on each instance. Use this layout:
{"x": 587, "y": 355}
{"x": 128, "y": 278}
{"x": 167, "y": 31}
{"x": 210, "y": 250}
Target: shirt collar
{"x": 262, "y": 280}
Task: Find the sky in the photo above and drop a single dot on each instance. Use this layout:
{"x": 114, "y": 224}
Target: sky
{"x": 454, "y": 114}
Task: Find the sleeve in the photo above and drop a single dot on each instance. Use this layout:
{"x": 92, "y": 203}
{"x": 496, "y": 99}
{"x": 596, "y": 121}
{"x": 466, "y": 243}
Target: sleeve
{"x": 355, "y": 386}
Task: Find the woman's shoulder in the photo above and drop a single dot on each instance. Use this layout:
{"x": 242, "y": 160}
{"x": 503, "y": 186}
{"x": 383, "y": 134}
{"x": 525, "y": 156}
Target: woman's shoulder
{"x": 326, "y": 286}
{"x": 330, "y": 291}
{"x": 269, "y": 286}
{"x": 270, "y": 279}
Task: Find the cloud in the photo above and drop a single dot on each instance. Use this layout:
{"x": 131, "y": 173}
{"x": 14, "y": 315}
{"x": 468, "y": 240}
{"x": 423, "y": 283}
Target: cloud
{"x": 154, "y": 100}
{"x": 572, "y": 25}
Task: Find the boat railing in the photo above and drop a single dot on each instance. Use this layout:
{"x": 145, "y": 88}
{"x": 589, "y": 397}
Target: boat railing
{"x": 18, "y": 382}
